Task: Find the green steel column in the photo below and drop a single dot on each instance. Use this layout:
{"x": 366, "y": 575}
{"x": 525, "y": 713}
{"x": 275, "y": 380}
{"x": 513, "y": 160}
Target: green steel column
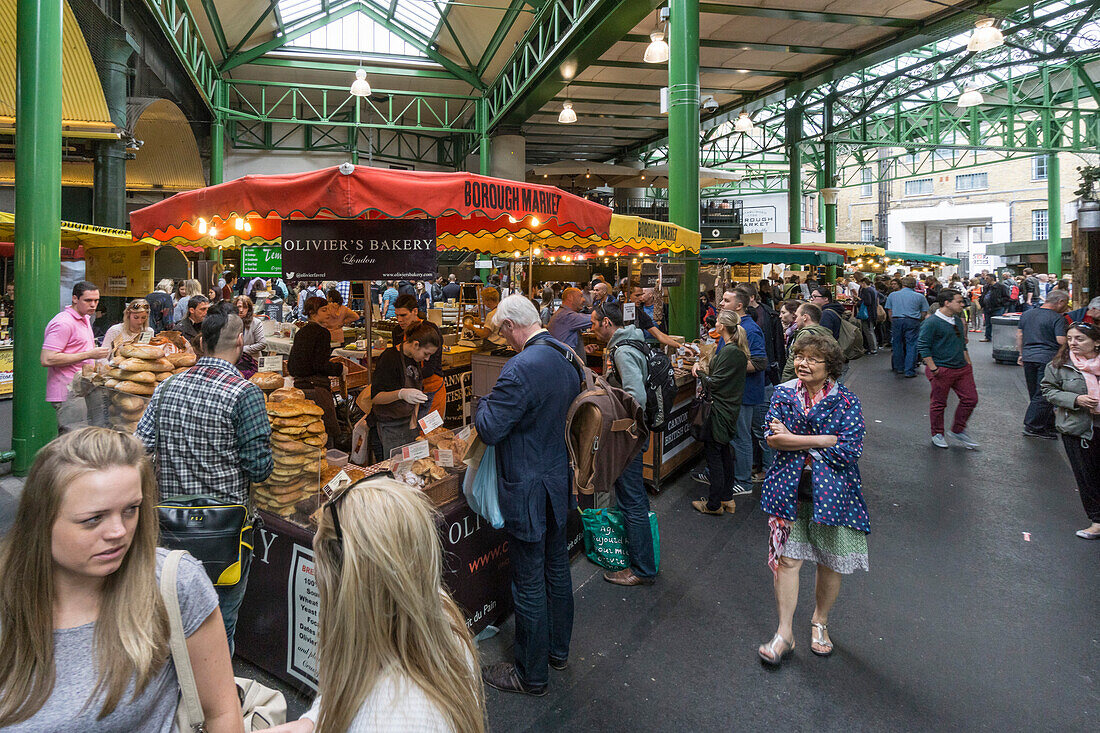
{"x": 38, "y": 223}
{"x": 483, "y": 135}
{"x": 109, "y": 169}
{"x": 683, "y": 156}
{"x": 829, "y": 174}
{"x": 217, "y": 139}
{"x": 1054, "y": 215}
{"x": 794, "y": 179}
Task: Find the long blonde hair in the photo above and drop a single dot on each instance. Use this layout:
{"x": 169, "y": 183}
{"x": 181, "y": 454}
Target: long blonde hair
{"x": 131, "y": 633}
{"x": 384, "y": 608}
{"x": 192, "y": 287}
{"x": 731, "y": 324}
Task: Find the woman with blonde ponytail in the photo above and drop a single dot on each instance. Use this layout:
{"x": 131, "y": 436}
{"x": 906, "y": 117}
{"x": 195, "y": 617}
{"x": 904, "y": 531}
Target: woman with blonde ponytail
{"x": 394, "y": 652}
{"x": 83, "y": 630}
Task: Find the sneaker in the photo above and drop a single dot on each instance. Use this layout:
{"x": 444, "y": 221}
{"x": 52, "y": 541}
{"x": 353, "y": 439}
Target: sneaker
{"x": 757, "y": 476}
{"x": 1036, "y": 434}
{"x": 961, "y": 436}
{"x": 701, "y": 477}
{"x": 740, "y": 490}
{"x": 939, "y": 441}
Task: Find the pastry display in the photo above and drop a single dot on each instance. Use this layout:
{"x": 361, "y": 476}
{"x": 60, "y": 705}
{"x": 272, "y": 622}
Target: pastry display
{"x": 298, "y": 441}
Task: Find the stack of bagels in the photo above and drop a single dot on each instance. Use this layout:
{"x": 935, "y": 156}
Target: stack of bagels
{"x": 134, "y": 373}
{"x": 298, "y": 441}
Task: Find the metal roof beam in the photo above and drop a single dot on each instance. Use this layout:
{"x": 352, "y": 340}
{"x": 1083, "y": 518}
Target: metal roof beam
{"x": 216, "y": 26}
{"x": 501, "y": 32}
{"x": 741, "y": 71}
{"x": 813, "y": 17}
{"x": 747, "y": 46}
{"x": 310, "y": 24}
{"x": 182, "y": 33}
{"x": 352, "y": 66}
{"x": 649, "y": 87}
{"x": 255, "y": 26}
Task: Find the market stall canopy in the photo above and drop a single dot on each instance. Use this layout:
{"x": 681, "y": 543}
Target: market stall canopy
{"x": 809, "y": 247}
{"x": 577, "y": 172}
{"x": 770, "y": 256}
{"x": 657, "y": 177}
{"x": 627, "y": 235}
{"x": 234, "y": 209}
{"x": 858, "y": 250}
{"x": 74, "y": 235}
{"x": 917, "y": 257}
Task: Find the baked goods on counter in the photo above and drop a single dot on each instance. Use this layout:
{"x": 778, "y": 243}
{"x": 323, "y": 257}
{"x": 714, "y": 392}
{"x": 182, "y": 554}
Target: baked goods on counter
{"x": 267, "y": 381}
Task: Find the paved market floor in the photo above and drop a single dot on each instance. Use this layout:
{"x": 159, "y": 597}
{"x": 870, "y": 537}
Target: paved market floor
{"x": 964, "y": 622}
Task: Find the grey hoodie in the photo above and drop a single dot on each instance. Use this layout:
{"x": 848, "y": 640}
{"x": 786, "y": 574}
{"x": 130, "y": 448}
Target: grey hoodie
{"x": 630, "y": 363}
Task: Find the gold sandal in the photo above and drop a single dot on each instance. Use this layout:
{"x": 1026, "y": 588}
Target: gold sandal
{"x": 817, "y": 634}
{"x": 777, "y": 656}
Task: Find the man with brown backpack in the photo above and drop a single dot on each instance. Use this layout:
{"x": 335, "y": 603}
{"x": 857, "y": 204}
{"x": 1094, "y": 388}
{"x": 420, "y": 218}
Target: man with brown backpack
{"x": 626, "y": 367}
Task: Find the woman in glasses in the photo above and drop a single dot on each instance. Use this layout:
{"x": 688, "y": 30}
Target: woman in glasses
{"x": 135, "y": 322}
{"x": 1072, "y": 384}
{"x": 812, "y": 489}
{"x": 394, "y": 651}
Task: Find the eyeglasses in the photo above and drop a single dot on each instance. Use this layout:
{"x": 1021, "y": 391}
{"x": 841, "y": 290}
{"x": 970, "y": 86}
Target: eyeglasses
{"x": 807, "y": 359}
{"x": 1085, "y": 326}
{"x": 138, "y": 305}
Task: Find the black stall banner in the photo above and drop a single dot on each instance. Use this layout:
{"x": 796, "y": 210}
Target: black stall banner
{"x": 359, "y": 249}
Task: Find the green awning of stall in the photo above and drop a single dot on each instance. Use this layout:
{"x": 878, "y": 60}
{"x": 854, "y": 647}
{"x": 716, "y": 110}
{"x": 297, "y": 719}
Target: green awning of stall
{"x": 917, "y": 257}
{"x": 770, "y": 256}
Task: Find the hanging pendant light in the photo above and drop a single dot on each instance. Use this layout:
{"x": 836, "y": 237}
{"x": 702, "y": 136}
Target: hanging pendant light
{"x": 657, "y": 50}
{"x": 743, "y": 123}
{"x": 985, "y": 36}
{"x": 360, "y": 87}
{"x": 567, "y": 116}
{"x": 971, "y": 97}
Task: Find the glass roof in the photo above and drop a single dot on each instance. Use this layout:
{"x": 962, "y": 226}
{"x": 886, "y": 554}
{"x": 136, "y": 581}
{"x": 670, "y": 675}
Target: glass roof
{"x": 359, "y": 33}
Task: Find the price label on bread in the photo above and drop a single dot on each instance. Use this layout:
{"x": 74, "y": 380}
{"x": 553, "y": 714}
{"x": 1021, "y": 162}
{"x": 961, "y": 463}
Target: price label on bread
{"x": 338, "y": 483}
{"x": 272, "y": 364}
{"x": 415, "y": 451}
{"x": 444, "y": 457}
{"x": 430, "y": 422}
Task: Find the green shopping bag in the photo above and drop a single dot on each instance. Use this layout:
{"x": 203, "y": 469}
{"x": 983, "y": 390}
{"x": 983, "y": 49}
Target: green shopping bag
{"x": 603, "y": 538}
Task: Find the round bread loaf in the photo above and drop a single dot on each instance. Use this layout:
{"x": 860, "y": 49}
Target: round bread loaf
{"x": 293, "y": 459}
{"x": 135, "y": 387}
{"x": 287, "y": 444}
{"x": 318, "y": 440}
{"x": 146, "y": 365}
{"x": 143, "y": 377}
{"x": 141, "y": 351}
{"x": 182, "y": 359}
{"x": 298, "y": 421}
{"x": 161, "y": 376}
{"x": 293, "y": 408}
{"x": 286, "y": 393}
{"x": 316, "y": 427}
{"x": 128, "y": 402}
{"x": 267, "y": 380}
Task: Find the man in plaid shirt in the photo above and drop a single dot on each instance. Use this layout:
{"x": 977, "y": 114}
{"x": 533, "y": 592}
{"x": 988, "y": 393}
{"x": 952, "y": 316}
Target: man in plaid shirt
{"x": 209, "y": 433}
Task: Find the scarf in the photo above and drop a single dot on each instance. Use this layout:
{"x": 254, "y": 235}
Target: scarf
{"x": 1090, "y": 370}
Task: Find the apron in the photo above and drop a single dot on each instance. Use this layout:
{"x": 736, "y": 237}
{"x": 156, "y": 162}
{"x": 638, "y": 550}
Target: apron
{"x": 433, "y": 387}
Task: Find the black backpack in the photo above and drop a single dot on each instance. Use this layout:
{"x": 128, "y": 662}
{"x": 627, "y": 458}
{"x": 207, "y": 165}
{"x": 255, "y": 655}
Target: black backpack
{"x": 660, "y": 383}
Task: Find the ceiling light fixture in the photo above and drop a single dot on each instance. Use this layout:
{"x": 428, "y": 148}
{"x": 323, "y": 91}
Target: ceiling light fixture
{"x": 986, "y": 36}
{"x": 657, "y": 50}
{"x": 567, "y": 116}
{"x": 360, "y": 87}
{"x": 202, "y": 225}
{"x": 971, "y": 97}
{"x": 743, "y": 124}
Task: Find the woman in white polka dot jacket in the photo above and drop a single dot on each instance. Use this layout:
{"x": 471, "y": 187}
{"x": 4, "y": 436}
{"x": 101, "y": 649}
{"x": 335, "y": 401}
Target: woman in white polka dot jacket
{"x": 812, "y": 489}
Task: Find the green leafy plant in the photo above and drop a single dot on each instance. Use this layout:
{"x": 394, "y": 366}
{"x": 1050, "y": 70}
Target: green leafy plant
{"x": 1089, "y": 175}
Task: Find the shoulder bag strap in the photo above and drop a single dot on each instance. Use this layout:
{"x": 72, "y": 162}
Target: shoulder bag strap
{"x": 184, "y": 673}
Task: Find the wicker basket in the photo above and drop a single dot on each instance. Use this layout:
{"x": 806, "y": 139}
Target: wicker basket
{"x": 446, "y": 489}
{"x": 357, "y": 375}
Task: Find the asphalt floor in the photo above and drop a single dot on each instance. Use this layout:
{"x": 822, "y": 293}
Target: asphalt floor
{"x": 978, "y": 613}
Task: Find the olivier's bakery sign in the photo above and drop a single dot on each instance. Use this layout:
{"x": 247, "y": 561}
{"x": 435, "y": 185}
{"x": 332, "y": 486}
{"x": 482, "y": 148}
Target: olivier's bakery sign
{"x": 359, "y": 249}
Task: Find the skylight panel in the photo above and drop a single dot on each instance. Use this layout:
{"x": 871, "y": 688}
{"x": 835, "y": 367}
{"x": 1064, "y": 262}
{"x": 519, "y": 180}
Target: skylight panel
{"x": 356, "y": 33}
{"x": 292, "y": 10}
{"x": 421, "y": 15}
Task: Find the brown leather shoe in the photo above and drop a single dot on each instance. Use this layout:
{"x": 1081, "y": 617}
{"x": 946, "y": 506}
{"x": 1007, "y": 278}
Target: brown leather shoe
{"x": 730, "y": 506}
{"x": 502, "y": 676}
{"x": 626, "y": 576}
{"x": 701, "y": 506}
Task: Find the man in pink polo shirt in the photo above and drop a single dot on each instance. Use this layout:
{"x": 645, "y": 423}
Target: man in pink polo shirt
{"x": 69, "y": 343}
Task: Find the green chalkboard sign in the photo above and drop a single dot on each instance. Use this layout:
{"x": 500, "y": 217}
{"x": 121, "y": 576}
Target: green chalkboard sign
{"x": 261, "y": 261}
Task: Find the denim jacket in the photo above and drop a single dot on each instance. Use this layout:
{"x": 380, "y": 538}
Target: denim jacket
{"x": 837, "y": 494}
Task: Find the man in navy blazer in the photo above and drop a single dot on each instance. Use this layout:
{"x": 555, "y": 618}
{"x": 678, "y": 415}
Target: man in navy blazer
{"x": 524, "y": 417}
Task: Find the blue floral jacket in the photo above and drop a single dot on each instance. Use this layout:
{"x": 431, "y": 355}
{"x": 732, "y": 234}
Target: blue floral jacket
{"x": 838, "y": 498}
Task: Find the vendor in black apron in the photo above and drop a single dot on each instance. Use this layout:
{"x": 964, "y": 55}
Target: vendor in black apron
{"x": 397, "y": 386}
{"x": 431, "y": 371}
{"x": 310, "y": 364}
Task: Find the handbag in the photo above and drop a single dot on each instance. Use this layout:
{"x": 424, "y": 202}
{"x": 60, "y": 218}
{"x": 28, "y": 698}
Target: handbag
{"x": 479, "y": 485}
{"x": 217, "y": 534}
{"x": 603, "y": 538}
{"x": 862, "y": 314}
{"x": 261, "y": 707}
{"x": 699, "y": 412}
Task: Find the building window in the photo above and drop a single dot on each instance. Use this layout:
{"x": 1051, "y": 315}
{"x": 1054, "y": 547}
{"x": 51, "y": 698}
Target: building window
{"x": 981, "y": 235}
{"x": 866, "y": 230}
{"x": 945, "y": 155}
{"x": 866, "y": 189}
{"x": 918, "y": 187}
{"x": 1038, "y": 223}
{"x": 971, "y": 181}
{"x": 1039, "y": 168}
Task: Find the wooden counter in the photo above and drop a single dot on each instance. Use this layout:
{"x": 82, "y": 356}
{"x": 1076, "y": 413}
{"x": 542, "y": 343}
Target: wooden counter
{"x": 673, "y": 449}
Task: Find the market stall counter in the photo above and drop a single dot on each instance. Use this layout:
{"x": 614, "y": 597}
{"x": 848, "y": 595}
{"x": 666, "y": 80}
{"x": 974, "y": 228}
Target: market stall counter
{"x": 673, "y": 448}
